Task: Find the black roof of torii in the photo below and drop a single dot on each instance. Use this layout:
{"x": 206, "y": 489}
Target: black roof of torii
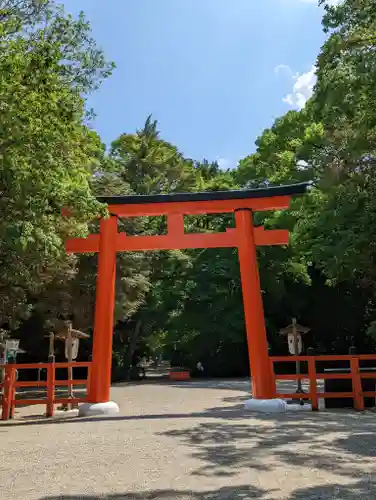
{"x": 239, "y": 194}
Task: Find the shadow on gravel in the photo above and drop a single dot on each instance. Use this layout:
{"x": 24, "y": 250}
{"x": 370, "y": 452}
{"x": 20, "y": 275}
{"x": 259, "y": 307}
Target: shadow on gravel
{"x": 342, "y": 443}
{"x": 225, "y": 440}
{"x": 227, "y": 493}
{"x": 360, "y": 489}
{"x": 235, "y": 411}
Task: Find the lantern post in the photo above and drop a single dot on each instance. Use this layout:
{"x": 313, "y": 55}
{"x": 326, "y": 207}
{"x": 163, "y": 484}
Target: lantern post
{"x": 294, "y": 333}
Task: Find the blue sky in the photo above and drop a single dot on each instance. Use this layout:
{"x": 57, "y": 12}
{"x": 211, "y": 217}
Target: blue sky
{"x": 214, "y": 73}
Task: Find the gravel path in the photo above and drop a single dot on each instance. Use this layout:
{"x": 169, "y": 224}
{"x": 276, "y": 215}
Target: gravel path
{"x": 189, "y": 442}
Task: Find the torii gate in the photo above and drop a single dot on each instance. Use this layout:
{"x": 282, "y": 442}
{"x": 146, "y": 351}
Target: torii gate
{"x": 244, "y": 236}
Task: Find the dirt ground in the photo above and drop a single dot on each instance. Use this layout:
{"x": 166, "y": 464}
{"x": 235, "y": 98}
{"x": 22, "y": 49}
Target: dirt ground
{"x": 188, "y": 441}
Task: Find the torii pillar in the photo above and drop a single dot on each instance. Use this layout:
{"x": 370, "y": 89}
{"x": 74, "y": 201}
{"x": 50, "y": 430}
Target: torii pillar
{"x": 262, "y": 381}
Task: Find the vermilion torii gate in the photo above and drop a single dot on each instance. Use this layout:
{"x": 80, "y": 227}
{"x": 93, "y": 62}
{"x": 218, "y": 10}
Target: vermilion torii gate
{"x": 244, "y": 236}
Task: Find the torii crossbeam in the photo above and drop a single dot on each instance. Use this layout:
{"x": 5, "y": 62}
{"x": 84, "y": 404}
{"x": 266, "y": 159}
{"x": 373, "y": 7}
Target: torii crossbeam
{"x": 244, "y": 236}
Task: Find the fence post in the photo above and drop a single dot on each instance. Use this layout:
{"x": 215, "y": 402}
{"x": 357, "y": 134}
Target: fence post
{"x": 272, "y": 378}
{"x": 88, "y": 378}
{"x": 312, "y": 379}
{"x": 13, "y": 374}
{"x": 356, "y": 384}
{"x": 8, "y": 392}
{"x": 50, "y": 389}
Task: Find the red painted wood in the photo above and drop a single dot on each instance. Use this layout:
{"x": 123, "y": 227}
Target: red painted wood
{"x": 175, "y": 224}
{"x": 179, "y": 376}
{"x": 9, "y": 401}
{"x": 51, "y": 382}
{"x": 324, "y": 357}
{"x": 178, "y": 240}
{"x": 66, "y": 383}
{"x": 104, "y": 313}
{"x": 34, "y": 383}
{"x": 262, "y": 376}
{"x": 200, "y": 207}
{"x": 313, "y": 384}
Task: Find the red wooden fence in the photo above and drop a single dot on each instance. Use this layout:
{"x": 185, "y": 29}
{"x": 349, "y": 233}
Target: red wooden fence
{"x": 10, "y": 385}
{"x": 179, "y": 375}
{"x": 313, "y": 376}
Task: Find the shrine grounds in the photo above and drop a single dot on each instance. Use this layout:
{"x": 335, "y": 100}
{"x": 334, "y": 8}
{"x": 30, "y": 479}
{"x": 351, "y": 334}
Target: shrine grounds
{"x": 188, "y": 441}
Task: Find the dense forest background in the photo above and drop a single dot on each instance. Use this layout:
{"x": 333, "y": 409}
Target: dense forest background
{"x": 184, "y": 305}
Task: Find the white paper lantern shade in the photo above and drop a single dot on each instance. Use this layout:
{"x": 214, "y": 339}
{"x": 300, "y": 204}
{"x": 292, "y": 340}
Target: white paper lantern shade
{"x": 12, "y": 344}
{"x": 291, "y": 343}
{"x": 75, "y": 346}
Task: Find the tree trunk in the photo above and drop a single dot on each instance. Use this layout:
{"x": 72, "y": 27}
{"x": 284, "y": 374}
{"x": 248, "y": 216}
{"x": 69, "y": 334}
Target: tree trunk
{"x": 131, "y": 349}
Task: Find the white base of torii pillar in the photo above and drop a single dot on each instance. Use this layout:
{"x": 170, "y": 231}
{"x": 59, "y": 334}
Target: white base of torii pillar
{"x": 97, "y": 409}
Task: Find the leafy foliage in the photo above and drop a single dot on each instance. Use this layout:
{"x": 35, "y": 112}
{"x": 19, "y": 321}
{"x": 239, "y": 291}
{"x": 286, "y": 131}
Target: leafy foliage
{"x": 47, "y": 156}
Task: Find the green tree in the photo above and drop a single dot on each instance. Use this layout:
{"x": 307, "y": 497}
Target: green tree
{"x": 47, "y": 154}
{"x": 150, "y": 164}
{"x": 338, "y": 228}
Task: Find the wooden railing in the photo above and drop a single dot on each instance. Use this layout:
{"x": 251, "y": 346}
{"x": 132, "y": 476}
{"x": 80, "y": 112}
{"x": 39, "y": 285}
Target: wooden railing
{"x": 179, "y": 375}
{"x": 312, "y": 375}
{"x": 10, "y": 385}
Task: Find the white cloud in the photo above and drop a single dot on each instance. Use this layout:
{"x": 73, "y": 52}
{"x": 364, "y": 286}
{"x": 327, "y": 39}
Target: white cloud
{"x": 282, "y": 68}
{"x": 302, "y": 88}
